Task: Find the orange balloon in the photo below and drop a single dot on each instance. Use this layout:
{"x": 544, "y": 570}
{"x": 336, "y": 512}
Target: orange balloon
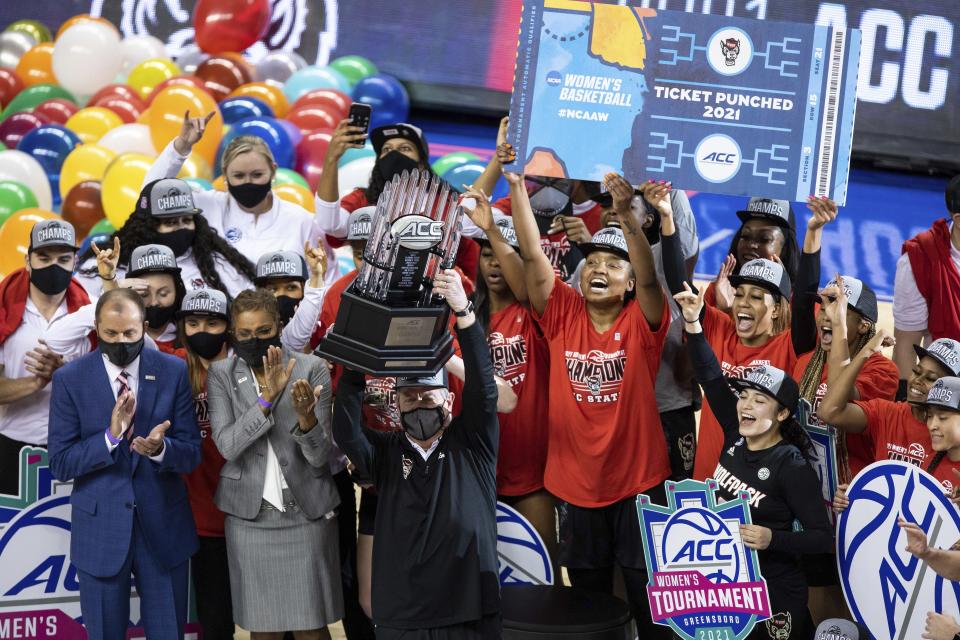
{"x": 167, "y": 113}
{"x": 271, "y": 95}
{"x": 83, "y": 17}
{"x": 15, "y": 237}
{"x": 220, "y": 184}
{"x": 297, "y": 194}
{"x": 36, "y": 65}
{"x": 144, "y": 118}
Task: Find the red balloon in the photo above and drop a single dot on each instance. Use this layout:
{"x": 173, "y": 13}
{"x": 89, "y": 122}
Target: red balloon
{"x": 18, "y": 125}
{"x": 310, "y": 117}
{"x": 338, "y": 102}
{"x": 10, "y": 85}
{"x": 221, "y": 75}
{"x": 128, "y": 111}
{"x": 121, "y": 90}
{"x": 230, "y": 25}
{"x": 310, "y": 154}
{"x": 82, "y": 207}
{"x": 176, "y": 81}
{"x": 56, "y": 110}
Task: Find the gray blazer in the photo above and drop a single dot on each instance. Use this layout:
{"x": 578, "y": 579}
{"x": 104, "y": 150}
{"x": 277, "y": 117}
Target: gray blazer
{"x": 240, "y": 431}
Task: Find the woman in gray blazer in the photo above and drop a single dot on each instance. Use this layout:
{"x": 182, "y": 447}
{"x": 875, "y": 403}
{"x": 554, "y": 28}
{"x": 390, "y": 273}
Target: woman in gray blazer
{"x": 270, "y": 416}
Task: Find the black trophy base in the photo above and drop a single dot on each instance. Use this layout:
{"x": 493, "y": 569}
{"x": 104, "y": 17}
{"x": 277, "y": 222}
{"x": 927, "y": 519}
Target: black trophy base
{"x": 388, "y": 341}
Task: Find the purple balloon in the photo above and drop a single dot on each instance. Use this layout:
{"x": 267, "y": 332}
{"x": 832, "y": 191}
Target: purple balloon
{"x": 292, "y": 130}
{"x": 18, "y": 125}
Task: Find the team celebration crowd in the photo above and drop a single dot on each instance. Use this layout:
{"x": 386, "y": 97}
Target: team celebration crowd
{"x": 170, "y": 372}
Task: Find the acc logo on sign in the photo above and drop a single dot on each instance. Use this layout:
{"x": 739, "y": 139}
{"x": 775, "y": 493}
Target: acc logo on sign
{"x": 717, "y": 158}
{"x": 730, "y": 51}
{"x": 523, "y": 557}
{"x": 888, "y": 590}
{"x": 704, "y": 583}
{"x": 416, "y": 232}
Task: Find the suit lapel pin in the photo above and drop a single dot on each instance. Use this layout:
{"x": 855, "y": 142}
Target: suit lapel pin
{"x": 149, "y": 377}
{"x": 243, "y": 379}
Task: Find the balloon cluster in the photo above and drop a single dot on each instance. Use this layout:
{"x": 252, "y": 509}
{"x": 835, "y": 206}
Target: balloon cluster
{"x": 84, "y": 113}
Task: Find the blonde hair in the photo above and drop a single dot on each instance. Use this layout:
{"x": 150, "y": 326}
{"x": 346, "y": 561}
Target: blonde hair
{"x": 246, "y": 144}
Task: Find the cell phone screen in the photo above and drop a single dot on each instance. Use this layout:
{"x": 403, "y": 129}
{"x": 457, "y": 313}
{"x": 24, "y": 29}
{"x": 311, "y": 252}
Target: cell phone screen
{"x": 360, "y": 115}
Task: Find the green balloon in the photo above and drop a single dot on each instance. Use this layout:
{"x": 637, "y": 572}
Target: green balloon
{"x": 101, "y": 228}
{"x": 32, "y": 96}
{"x": 199, "y": 183}
{"x": 451, "y": 160}
{"x": 354, "y": 68}
{"x": 33, "y": 28}
{"x": 14, "y": 196}
{"x": 289, "y": 176}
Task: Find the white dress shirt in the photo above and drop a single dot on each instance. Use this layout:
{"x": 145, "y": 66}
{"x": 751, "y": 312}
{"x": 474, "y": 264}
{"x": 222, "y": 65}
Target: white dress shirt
{"x": 133, "y": 383}
{"x": 910, "y": 311}
{"x": 424, "y": 453}
{"x": 273, "y": 482}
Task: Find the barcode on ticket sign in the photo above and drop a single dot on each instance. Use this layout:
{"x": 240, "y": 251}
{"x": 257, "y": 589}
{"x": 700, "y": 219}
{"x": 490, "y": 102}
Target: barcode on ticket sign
{"x": 828, "y": 128}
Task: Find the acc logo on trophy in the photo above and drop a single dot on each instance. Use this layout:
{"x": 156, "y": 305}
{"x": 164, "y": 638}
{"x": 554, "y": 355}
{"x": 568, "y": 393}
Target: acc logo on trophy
{"x": 416, "y": 232}
{"x": 888, "y": 590}
{"x": 704, "y": 583}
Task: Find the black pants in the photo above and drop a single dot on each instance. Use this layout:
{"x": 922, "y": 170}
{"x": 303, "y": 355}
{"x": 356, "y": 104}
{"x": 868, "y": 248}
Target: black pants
{"x": 635, "y": 581}
{"x": 10, "y": 464}
{"x": 356, "y": 624}
{"x": 680, "y": 428}
{"x": 211, "y": 584}
{"x": 487, "y": 628}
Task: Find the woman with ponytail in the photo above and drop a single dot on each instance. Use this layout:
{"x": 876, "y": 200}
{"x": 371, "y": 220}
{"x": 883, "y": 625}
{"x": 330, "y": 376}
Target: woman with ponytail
{"x": 766, "y": 453}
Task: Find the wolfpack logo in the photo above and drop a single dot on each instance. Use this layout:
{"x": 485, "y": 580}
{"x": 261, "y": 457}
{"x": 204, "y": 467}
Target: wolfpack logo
{"x": 735, "y": 486}
{"x": 416, "y": 232}
{"x": 406, "y": 464}
{"x": 596, "y": 376}
{"x": 704, "y": 582}
{"x": 154, "y": 258}
{"x": 687, "y": 445}
{"x": 780, "y": 625}
{"x": 729, "y": 51}
{"x": 175, "y": 199}
{"x": 888, "y": 589}
{"x": 509, "y": 356}
{"x": 521, "y": 554}
{"x": 717, "y": 158}
{"x": 308, "y": 27}
{"x": 278, "y": 265}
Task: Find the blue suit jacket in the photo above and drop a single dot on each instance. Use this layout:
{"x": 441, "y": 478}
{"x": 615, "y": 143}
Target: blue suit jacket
{"x": 108, "y": 484}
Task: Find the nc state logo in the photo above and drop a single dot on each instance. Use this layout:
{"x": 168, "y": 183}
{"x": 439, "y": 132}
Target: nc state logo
{"x": 730, "y": 49}
{"x": 780, "y": 625}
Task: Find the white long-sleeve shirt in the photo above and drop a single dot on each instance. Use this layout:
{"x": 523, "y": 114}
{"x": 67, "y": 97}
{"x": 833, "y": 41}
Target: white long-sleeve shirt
{"x": 285, "y": 227}
{"x": 69, "y": 334}
{"x": 296, "y": 335}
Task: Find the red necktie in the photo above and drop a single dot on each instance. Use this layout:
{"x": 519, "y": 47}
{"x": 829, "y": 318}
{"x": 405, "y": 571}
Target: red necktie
{"x": 124, "y": 387}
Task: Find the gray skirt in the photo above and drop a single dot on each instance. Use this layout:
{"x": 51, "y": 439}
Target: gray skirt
{"x": 284, "y": 570}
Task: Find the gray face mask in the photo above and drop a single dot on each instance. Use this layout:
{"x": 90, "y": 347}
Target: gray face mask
{"x": 549, "y": 199}
{"x": 423, "y": 423}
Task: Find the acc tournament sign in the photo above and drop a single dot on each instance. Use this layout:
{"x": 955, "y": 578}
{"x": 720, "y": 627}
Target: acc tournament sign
{"x": 887, "y": 589}
{"x": 713, "y": 103}
{"x": 521, "y": 554}
{"x": 704, "y": 582}
{"x": 824, "y": 439}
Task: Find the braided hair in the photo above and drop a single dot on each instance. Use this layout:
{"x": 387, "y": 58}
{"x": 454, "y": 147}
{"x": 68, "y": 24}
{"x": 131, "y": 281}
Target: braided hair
{"x": 793, "y": 433}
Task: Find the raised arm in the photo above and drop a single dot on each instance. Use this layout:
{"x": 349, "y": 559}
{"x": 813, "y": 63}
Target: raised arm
{"x": 538, "y": 271}
{"x": 348, "y": 424}
{"x": 171, "y": 159}
{"x": 313, "y": 402}
{"x": 296, "y": 335}
{"x": 649, "y": 293}
{"x": 803, "y": 320}
{"x": 511, "y": 264}
{"x": 345, "y": 136}
{"x": 504, "y": 154}
{"x": 910, "y": 316}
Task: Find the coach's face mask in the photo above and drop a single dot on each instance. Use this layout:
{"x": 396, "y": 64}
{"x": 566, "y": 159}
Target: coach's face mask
{"x": 423, "y": 423}
{"x": 254, "y": 350}
{"x": 121, "y": 353}
{"x": 395, "y": 163}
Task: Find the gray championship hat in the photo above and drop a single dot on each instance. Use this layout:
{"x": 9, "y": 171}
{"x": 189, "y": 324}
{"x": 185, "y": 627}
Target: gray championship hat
{"x": 945, "y": 393}
{"x": 438, "y": 380}
{"x": 53, "y": 233}
{"x": 945, "y": 351}
{"x": 775, "y": 211}
{"x": 281, "y": 264}
{"x": 771, "y": 381}
{"x": 505, "y": 225}
{"x": 837, "y": 629}
{"x": 608, "y": 239}
{"x": 861, "y": 298}
{"x": 764, "y": 273}
{"x": 152, "y": 258}
{"x": 400, "y": 130}
{"x": 204, "y": 302}
{"x": 360, "y": 222}
{"x": 168, "y": 198}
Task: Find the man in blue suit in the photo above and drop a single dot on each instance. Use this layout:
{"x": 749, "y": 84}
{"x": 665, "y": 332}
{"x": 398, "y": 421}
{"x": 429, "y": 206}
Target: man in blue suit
{"x": 123, "y": 428}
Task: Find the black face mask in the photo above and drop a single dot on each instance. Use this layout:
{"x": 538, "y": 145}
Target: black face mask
{"x": 395, "y": 163}
{"x": 253, "y": 351}
{"x": 423, "y": 423}
{"x": 158, "y": 317}
{"x": 51, "y": 280}
{"x": 286, "y": 307}
{"x": 249, "y": 194}
{"x": 206, "y": 345}
{"x": 179, "y": 241}
{"x": 121, "y": 353}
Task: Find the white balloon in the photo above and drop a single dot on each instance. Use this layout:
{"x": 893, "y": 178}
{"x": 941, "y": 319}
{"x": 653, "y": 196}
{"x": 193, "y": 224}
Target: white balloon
{"x": 22, "y": 167}
{"x": 352, "y": 175}
{"x": 13, "y": 44}
{"x": 129, "y": 138}
{"x": 137, "y": 49}
{"x": 86, "y": 57}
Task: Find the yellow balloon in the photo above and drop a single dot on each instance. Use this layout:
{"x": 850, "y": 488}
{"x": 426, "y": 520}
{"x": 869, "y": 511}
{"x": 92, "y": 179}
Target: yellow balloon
{"x": 15, "y": 237}
{"x": 121, "y": 186}
{"x": 196, "y": 167}
{"x": 270, "y": 94}
{"x": 86, "y": 162}
{"x": 220, "y": 184}
{"x": 166, "y": 118}
{"x": 297, "y": 194}
{"x": 92, "y": 123}
{"x": 149, "y": 73}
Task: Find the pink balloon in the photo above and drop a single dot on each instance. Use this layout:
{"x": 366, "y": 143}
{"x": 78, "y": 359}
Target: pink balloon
{"x": 230, "y": 25}
{"x": 310, "y": 154}
{"x": 18, "y": 125}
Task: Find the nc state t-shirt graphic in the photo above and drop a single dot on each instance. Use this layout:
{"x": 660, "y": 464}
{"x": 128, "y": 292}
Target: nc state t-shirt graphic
{"x": 596, "y": 377}
{"x": 740, "y": 371}
{"x": 509, "y": 355}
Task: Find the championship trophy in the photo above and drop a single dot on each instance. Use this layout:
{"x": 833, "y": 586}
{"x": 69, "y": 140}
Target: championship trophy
{"x": 390, "y": 323}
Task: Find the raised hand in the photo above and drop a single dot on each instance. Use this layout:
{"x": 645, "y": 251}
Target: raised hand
{"x": 139, "y": 285}
{"x": 191, "y": 132}
{"x": 916, "y": 539}
{"x": 152, "y": 445}
{"x": 505, "y": 153}
{"x": 658, "y": 195}
{"x": 690, "y": 303}
{"x": 316, "y": 258}
{"x": 481, "y": 214}
{"x": 881, "y": 341}
{"x": 824, "y": 211}
{"x": 448, "y": 285}
{"x": 573, "y": 226}
{"x": 304, "y": 398}
{"x": 345, "y": 136}
{"x": 621, "y": 191}
{"x": 275, "y": 374}
{"x": 122, "y": 416}
{"x": 512, "y": 178}
{"x": 724, "y": 292}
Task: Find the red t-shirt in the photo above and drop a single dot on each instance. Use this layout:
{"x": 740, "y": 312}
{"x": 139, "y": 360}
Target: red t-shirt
{"x": 202, "y": 482}
{"x": 895, "y": 434}
{"x": 944, "y": 472}
{"x": 735, "y": 359}
{"x": 520, "y": 356}
{"x": 878, "y": 379}
{"x": 606, "y": 440}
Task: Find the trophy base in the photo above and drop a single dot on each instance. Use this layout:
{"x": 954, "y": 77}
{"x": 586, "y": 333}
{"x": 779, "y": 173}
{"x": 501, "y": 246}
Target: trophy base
{"x": 388, "y": 341}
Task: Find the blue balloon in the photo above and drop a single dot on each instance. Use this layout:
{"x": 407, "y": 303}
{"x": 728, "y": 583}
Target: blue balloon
{"x": 500, "y": 190}
{"x": 293, "y": 131}
{"x": 268, "y": 129}
{"x": 240, "y": 108}
{"x": 355, "y": 154}
{"x": 50, "y": 145}
{"x": 310, "y": 78}
{"x": 389, "y": 99}
{"x": 463, "y": 175}
{"x": 102, "y": 240}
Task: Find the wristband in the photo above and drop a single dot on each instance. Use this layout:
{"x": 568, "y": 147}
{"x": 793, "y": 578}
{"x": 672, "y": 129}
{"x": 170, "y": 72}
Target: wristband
{"x": 264, "y": 403}
{"x": 110, "y": 279}
{"x": 111, "y": 439}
